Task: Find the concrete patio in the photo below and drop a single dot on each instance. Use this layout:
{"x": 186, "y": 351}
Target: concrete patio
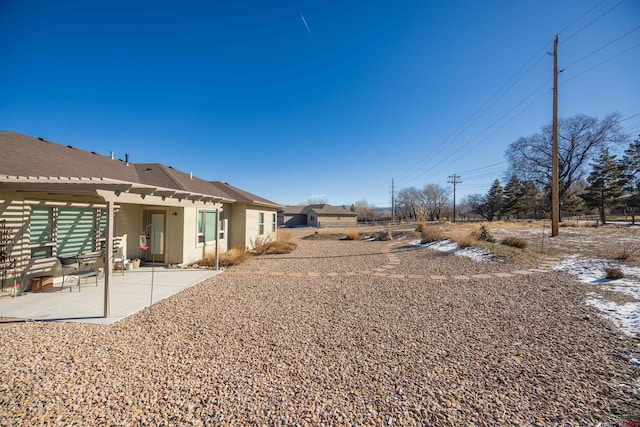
{"x": 130, "y": 293}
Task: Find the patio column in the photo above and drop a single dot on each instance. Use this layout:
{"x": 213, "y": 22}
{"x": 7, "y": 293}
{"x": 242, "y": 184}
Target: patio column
{"x": 108, "y": 260}
{"x": 217, "y": 237}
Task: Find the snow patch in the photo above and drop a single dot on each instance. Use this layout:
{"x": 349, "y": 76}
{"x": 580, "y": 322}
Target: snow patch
{"x": 452, "y": 248}
{"x": 626, "y": 316}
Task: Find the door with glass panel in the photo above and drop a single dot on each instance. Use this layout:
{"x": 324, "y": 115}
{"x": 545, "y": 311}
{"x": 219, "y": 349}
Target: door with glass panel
{"x": 154, "y": 230}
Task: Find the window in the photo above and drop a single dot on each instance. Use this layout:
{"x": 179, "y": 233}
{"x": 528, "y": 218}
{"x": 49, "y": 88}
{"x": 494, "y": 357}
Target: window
{"x": 221, "y": 226}
{"x": 261, "y": 223}
{"x": 206, "y": 226}
{"x": 57, "y": 231}
{"x": 75, "y": 231}
{"x": 274, "y": 222}
{"x": 41, "y": 237}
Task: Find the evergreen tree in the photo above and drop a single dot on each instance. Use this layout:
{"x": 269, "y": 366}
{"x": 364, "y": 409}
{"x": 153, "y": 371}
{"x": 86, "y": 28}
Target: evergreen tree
{"x": 494, "y": 201}
{"x": 606, "y": 184}
{"x": 630, "y": 164}
{"x": 573, "y": 201}
{"x": 511, "y": 199}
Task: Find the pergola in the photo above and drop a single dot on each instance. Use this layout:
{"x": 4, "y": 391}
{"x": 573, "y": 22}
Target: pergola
{"x": 107, "y": 193}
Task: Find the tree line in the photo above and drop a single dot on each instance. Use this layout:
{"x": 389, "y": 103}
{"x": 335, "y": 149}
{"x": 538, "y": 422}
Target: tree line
{"x": 590, "y": 177}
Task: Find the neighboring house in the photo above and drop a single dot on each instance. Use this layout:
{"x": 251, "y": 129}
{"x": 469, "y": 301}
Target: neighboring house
{"x": 292, "y": 216}
{"x": 58, "y": 200}
{"x": 320, "y": 215}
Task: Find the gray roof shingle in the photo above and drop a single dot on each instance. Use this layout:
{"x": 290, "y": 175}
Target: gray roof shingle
{"x": 23, "y": 155}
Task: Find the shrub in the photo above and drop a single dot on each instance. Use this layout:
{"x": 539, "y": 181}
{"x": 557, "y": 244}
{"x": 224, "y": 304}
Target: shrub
{"x": 266, "y": 245}
{"x": 352, "y": 235}
{"x": 422, "y": 226}
{"x": 626, "y": 252}
{"x": 231, "y": 257}
{"x": 234, "y": 256}
{"x": 484, "y": 234}
{"x": 515, "y": 242}
{"x": 466, "y": 240}
{"x": 260, "y": 245}
{"x": 613, "y": 273}
{"x": 431, "y": 234}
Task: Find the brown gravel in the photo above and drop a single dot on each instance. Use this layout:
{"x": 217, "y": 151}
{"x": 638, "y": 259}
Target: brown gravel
{"x": 345, "y": 350}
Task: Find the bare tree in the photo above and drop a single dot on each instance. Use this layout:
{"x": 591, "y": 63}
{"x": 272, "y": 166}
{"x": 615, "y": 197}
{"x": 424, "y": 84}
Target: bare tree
{"x": 407, "y": 201}
{"x": 317, "y": 199}
{"x": 435, "y": 198}
{"x": 365, "y": 211}
{"x": 580, "y": 139}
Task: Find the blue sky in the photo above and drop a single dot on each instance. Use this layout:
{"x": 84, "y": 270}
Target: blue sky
{"x": 371, "y": 91}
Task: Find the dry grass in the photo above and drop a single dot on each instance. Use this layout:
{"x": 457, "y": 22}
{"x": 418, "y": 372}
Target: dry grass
{"x": 267, "y": 245}
{"x": 421, "y": 227}
{"x": 233, "y": 256}
{"x": 352, "y": 235}
{"x": 627, "y": 252}
{"x": 431, "y": 234}
{"x": 613, "y": 273}
{"x": 514, "y": 242}
{"x": 465, "y": 240}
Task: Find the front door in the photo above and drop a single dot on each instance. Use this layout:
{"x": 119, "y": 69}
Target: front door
{"x": 154, "y": 226}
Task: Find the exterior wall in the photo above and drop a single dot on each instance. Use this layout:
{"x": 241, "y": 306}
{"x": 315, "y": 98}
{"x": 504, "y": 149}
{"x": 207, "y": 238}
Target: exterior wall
{"x": 193, "y": 251}
{"x": 244, "y": 224}
{"x": 237, "y": 225}
{"x": 128, "y": 220}
{"x": 253, "y": 224}
{"x": 175, "y": 229}
{"x": 294, "y": 220}
{"x": 312, "y": 219}
{"x": 338, "y": 220}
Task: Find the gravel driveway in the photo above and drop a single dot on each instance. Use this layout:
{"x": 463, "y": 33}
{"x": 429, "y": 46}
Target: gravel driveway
{"x": 336, "y": 349}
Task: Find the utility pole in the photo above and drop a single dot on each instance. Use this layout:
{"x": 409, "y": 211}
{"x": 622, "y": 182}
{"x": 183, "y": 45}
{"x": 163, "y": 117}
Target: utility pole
{"x": 555, "y": 193}
{"x": 393, "y": 201}
{"x": 454, "y": 181}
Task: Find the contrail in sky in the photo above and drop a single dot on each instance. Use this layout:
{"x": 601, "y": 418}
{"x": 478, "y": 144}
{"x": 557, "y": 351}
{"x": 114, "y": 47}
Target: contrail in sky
{"x": 304, "y": 21}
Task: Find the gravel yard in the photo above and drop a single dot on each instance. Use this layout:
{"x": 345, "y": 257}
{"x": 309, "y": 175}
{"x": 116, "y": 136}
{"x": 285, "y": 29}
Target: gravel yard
{"x": 334, "y": 350}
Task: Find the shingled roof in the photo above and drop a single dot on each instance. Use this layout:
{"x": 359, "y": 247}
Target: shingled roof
{"x": 26, "y": 156}
{"x": 319, "y": 209}
{"x": 325, "y": 209}
{"x": 241, "y": 195}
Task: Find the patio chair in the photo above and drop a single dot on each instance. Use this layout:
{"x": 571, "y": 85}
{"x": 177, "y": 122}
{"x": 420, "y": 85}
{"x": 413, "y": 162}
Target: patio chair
{"x": 119, "y": 252}
{"x": 81, "y": 266}
{"x": 69, "y": 266}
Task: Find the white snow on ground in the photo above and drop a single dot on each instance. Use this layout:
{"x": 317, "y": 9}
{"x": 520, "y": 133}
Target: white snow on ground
{"x": 626, "y": 316}
{"x": 452, "y": 248}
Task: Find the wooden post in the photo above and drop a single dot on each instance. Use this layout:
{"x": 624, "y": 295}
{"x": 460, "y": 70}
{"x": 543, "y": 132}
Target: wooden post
{"x": 555, "y": 193}
{"x": 108, "y": 260}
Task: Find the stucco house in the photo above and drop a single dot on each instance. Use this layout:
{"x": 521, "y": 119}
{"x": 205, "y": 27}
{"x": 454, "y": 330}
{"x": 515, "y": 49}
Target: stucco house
{"x": 57, "y": 200}
{"x": 318, "y": 215}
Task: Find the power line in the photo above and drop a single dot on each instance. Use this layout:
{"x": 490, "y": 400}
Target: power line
{"x": 602, "y": 63}
{"x": 600, "y": 48}
{"x": 630, "y": 117}
{"x": 484, "y": 167}
{"x": 580, "y": 17}
{"x": 409, "y": 174}
{"x": 454, "y": 181}
{"x": 492, "y": 124}
{"x": 592, "y": 22}
{"x": 486, "y": 106}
